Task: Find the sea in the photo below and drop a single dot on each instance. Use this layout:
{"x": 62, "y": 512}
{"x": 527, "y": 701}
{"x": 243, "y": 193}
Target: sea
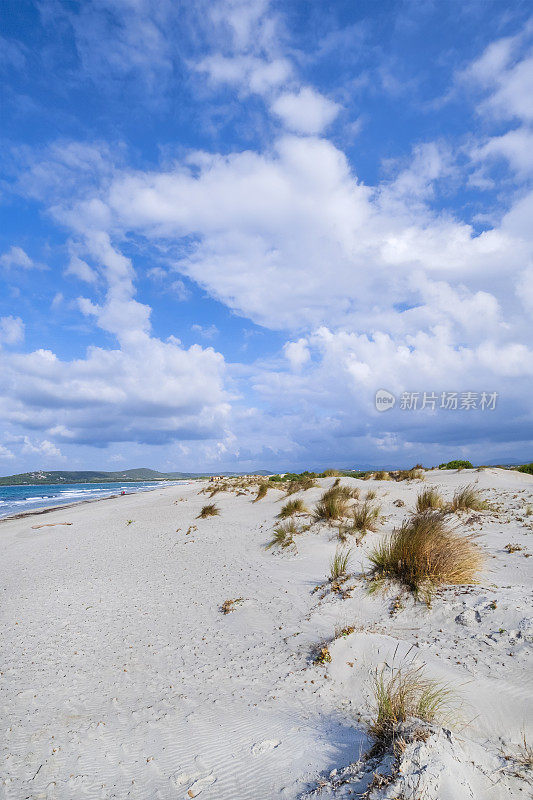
{"x": 15, "y": 499}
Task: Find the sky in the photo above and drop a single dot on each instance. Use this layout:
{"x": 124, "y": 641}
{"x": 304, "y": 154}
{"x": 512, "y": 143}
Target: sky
{"x": 227, "y": 224}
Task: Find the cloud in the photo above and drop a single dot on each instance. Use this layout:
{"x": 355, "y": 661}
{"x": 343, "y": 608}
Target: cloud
{"x": 149, "y": 391}
{"x": 207, "y": 332}
{"x": 388, "y": 285}
{"x": 180, "y": 291}
{"x": 5, "y": 453}
{"x": 297, "y": 353}
{"x": 305, "y": 111}
{"x": 80, "y": 269}
{"x": 44, "y": 448}
{"x": 120, "y": 41}
{"x": 16, "y": 258}
{"x": 11, "y": 330}
{"x": 251, "y": 74}
{"x": 299, "y": 214}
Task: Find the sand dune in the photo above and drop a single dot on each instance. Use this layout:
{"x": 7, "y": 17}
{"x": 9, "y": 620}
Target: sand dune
{"x": 121, "y": 677}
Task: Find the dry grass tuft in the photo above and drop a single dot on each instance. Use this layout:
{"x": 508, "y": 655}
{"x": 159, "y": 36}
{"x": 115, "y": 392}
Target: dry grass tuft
{"x": 338, "y": 567}
{"x": 424, "y": 553}
{"x": 521, "y": 757}
{"x": 344, "y": 632}
{"x": 229, "y": 605}
{"x": 365, "y": 517}
{"x": 402, "y": 694}
{"x": 382, "y": 476}
{"x": 283, "y": 535}
{"x": 334, "y": 504}
{"x": 413, "y": 474}
{"x": 291, "y": 508}
{"x": 330, "y": 473}
{"x": 211, "y": 510}
{"x": 261, "y": 492}
{"x": 300, "y": 485}
{"x": 513, "y": 548}
{"x": 428, "y": 499}
{"x": 468, "y": 498}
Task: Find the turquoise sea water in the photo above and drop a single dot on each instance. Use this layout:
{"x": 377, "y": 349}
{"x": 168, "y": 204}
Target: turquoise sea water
{"x": 14, "y": 499}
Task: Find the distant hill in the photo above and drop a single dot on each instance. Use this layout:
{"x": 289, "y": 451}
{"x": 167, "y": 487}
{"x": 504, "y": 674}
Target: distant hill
{"x": 91, "y": 476}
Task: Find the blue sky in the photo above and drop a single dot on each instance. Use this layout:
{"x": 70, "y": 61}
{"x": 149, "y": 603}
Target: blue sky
{"x": 227, "y": 224}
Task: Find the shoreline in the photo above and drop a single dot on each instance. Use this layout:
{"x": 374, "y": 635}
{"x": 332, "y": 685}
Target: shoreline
{"x": 48, "y": 509}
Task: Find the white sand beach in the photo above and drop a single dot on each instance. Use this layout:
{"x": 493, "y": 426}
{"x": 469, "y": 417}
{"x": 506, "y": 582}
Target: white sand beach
{"x": 122, "y": 678}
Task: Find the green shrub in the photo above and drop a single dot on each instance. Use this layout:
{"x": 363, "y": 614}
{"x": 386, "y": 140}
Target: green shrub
{"x": 528, "y": 468}
{"x": 458, "y": 464}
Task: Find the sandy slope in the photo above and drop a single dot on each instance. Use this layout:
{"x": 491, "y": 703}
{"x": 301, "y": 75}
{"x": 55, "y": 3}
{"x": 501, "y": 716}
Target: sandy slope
{"x": 121, "y": 678}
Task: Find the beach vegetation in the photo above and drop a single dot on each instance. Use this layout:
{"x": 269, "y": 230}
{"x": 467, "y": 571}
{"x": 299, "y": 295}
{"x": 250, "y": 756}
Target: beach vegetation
{"x": 423, "y": 554}
{"x": 229, "y": 605}
{"x": 403, "y": 694}
{"x": 261, "y": 492}
{"x": 338, "y": 567}
{"x": 333, "y": 505}
{"x": 527, "y": 468}
{"x": 468, "y": 498}
{"x": 458, "y": 463}
{"x": 428, "y": 499}
{"x": 366, "y": 517}
{"x": 210, "y": 510}
{"x": 283, "y": 535}
{"x": 292, "y": 507}
{"x": 323, "y": 656}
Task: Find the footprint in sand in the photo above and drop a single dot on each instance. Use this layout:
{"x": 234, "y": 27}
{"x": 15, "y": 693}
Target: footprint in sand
{"x": 264, "y": 747}
{"x": 199, "y": 785}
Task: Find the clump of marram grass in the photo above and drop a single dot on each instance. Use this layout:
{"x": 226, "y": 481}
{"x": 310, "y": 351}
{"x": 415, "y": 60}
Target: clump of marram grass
{"x": 292, "y": 507}
{"x": 283, "y": 535}
{"x": 413, "y": 474}
{"x": 423, "y": 554}
{"x": 365, "y": 517}
{"x": 382, "y": 475}
{"x": 334, "y": 504}
{"x": 330, "y": 473}
{"x": 468, "y": 498}
{"x": 521, "y": 758}
{"x": 402, "y": 694}
{"x": 338, "y": 567}
{"x": 210, "y": 510}
{"x": 261, "y": 492}
{"x": 428, "y": 499}
{"x": 299, "y": 485}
